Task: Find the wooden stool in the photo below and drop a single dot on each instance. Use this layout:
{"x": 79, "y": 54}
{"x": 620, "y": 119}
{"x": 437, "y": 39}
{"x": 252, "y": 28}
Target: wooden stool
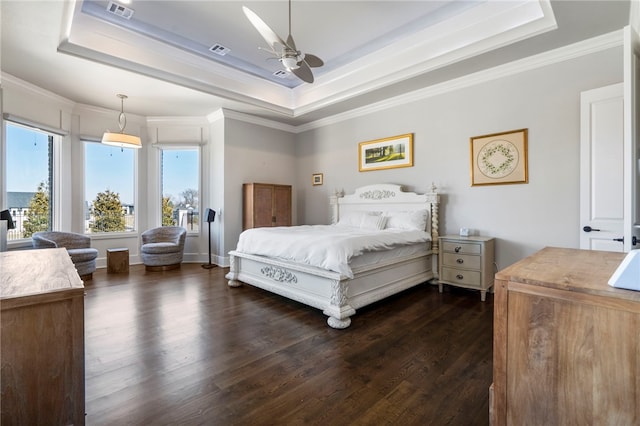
{"x": 117, "y": 260}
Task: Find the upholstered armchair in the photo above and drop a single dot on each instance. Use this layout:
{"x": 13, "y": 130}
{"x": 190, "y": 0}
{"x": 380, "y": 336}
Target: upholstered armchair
{"x": 162, "y": 248}
{"x": 78, "y": 246}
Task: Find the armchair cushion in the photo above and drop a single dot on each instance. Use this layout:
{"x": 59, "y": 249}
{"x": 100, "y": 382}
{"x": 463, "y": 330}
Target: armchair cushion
{"x": 82, "y": 255}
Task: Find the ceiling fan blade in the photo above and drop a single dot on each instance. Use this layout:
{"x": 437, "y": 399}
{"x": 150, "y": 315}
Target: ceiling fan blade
{"x": 267, "y": 33}
{"x": 303, "y": 72}
{"x": 313, "y": 60}
{"x": 290, "y": 43}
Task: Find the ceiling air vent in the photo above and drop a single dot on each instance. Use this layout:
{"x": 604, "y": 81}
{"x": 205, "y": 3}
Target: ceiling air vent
{"x": 119, "y": 10}
{"x": 280, "y": 73}
{"x": 219, "y": 49}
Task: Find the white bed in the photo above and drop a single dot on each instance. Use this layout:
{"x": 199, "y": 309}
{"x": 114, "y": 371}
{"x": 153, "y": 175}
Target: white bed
{"x": 368, "y": 277}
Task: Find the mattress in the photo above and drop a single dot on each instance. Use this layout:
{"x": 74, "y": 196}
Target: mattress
{"x": 330, "y": 247}
{"x": 376, "y": 257}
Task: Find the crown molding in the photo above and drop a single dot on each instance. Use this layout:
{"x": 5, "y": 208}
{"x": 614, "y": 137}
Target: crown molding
{"x": 264, "y": 122}
{"x": 484, "y": 26}
{"x": 10, "y": 80}
{"x": 176, "y": 121}
{"x": 583, "y": 48}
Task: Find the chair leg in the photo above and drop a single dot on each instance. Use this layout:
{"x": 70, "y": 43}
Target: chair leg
{"x": 87, "y": 277}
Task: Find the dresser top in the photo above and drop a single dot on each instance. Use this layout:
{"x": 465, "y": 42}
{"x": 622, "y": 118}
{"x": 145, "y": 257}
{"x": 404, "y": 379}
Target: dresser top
{"x": 472, "y": 238}
{"x": 30, "y": 272}
{"x": 584, "y": 271}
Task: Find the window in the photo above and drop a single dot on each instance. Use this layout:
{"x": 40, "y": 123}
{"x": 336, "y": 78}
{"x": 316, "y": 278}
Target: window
{"x": 29, "y": 179}
{"x": 109, "y": 189}
{"x": 180, "y": 188}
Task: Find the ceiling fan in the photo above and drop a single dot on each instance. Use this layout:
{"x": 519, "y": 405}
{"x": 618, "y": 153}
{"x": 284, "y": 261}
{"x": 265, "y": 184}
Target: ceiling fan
{"x": 293, "y": 60}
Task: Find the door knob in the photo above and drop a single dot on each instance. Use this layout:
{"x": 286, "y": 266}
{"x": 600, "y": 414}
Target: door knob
{"x": 589, "y": 229}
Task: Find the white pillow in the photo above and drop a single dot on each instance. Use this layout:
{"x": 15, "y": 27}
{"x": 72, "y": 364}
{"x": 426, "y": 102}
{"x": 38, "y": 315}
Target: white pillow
{"x": 373, "y": 222}
{"x": 408, "y": 220}
{"x": 351, "y": 219}
{"x": 362, "y": 219}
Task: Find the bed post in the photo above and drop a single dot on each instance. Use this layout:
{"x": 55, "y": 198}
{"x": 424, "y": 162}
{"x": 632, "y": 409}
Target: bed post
{"x": 333, "y": 202}
{"x": 434, "y": 199}
{"x": 232, "y": 276}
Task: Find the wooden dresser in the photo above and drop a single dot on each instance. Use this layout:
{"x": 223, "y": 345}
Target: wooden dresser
{"x": 566, "y": 344}
{"x": 265, "y": 204}
{"x": 42, "y": 339}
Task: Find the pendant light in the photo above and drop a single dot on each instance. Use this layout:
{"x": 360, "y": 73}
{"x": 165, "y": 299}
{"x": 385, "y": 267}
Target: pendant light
{"x": 121, "y": 139}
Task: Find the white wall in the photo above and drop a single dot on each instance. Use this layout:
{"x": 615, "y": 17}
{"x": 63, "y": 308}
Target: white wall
{"x": 254, "y": 153}
{"x": 215, "y": 181}
{"x": 524, "y": 217}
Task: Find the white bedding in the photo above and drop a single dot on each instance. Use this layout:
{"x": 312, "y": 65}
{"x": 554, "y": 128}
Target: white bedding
{"x": 325, "y": 246}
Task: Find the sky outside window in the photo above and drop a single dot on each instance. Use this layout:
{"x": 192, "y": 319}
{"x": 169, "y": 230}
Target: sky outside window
{"x": 108, "y": 167}
{"x": 27, "y": 159}
{"x": 180, "y": 183}
{"x": 179, "y": 172}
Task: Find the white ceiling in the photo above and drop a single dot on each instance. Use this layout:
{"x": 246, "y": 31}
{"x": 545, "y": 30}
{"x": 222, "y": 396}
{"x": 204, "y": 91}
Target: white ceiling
{"x": 371, "y": 49}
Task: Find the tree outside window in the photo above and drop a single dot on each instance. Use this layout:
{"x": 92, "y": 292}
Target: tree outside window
{"x": 109, "y": 189}
{"x": 107, "y": 212}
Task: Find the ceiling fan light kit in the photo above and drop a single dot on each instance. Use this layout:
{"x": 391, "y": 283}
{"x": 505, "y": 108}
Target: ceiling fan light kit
{"x": 290, "y": 63}
{"x": 287, "y": 53}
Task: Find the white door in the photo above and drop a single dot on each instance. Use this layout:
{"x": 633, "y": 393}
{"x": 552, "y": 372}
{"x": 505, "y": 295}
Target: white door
{"x": 610, "y": 159}
{"x": 601, "y": 171}
{"x": 631, "y": 139}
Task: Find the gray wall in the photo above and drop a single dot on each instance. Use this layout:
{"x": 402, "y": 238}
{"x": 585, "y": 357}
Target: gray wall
{"x": 524, "y": 217}
{"x": 253, "y": 154}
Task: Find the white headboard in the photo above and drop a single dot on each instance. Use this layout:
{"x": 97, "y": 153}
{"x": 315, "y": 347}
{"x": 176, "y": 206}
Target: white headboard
{"x": 388, "y": 197}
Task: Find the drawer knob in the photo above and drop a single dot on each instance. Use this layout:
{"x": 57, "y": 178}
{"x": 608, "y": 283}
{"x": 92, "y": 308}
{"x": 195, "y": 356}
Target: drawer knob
{"x": 460, "y": 260}
{"x": 457, "y": 249}
{"x": 459, "y": 276}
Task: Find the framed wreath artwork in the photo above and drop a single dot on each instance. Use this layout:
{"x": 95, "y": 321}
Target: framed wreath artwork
{"x": 499, "y": 158}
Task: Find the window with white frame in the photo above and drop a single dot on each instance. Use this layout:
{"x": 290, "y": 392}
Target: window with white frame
{"x": 179, "y": 180}
{"x": 109, "y": 189}
{"x": 29, "y": 179}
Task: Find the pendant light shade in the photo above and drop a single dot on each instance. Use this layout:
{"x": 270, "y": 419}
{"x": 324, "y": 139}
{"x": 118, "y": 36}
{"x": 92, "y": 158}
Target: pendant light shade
{"x": 121, "y": 139}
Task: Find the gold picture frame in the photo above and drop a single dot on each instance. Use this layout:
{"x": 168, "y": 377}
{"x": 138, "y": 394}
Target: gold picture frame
{"x": 499, "y": 158}
{"x": 316, "y": 179}
{"x": 386, "y": 153}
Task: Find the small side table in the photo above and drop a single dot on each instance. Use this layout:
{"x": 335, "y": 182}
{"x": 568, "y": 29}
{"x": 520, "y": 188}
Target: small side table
{"x": 467, "y": 262}
{"x": 117, "y": 260}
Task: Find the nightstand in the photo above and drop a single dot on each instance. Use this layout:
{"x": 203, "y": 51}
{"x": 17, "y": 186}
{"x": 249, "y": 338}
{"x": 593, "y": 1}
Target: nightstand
{"x": 467, "y": 262}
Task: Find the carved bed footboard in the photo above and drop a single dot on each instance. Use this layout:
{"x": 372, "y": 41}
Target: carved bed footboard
{"x": 336, "y": 295}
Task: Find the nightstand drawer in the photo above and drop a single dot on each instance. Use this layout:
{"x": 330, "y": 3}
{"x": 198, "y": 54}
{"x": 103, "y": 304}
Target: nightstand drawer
{"x": 461, "y": 260}
{"x": 461, "y": 248}
{"x": 471, "y": 278}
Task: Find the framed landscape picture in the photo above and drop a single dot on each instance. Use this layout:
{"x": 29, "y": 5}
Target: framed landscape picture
{"x": 499, "y": 158}
{"x": 387, "y": 153}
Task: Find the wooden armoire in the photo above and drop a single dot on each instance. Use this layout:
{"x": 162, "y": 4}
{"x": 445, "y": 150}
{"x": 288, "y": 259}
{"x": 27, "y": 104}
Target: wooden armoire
{"x": 266, "y": 204}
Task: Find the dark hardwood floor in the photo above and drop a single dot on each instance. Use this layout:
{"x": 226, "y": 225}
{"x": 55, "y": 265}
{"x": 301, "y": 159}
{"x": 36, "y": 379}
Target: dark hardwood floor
{"x": 181, "y": 347}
